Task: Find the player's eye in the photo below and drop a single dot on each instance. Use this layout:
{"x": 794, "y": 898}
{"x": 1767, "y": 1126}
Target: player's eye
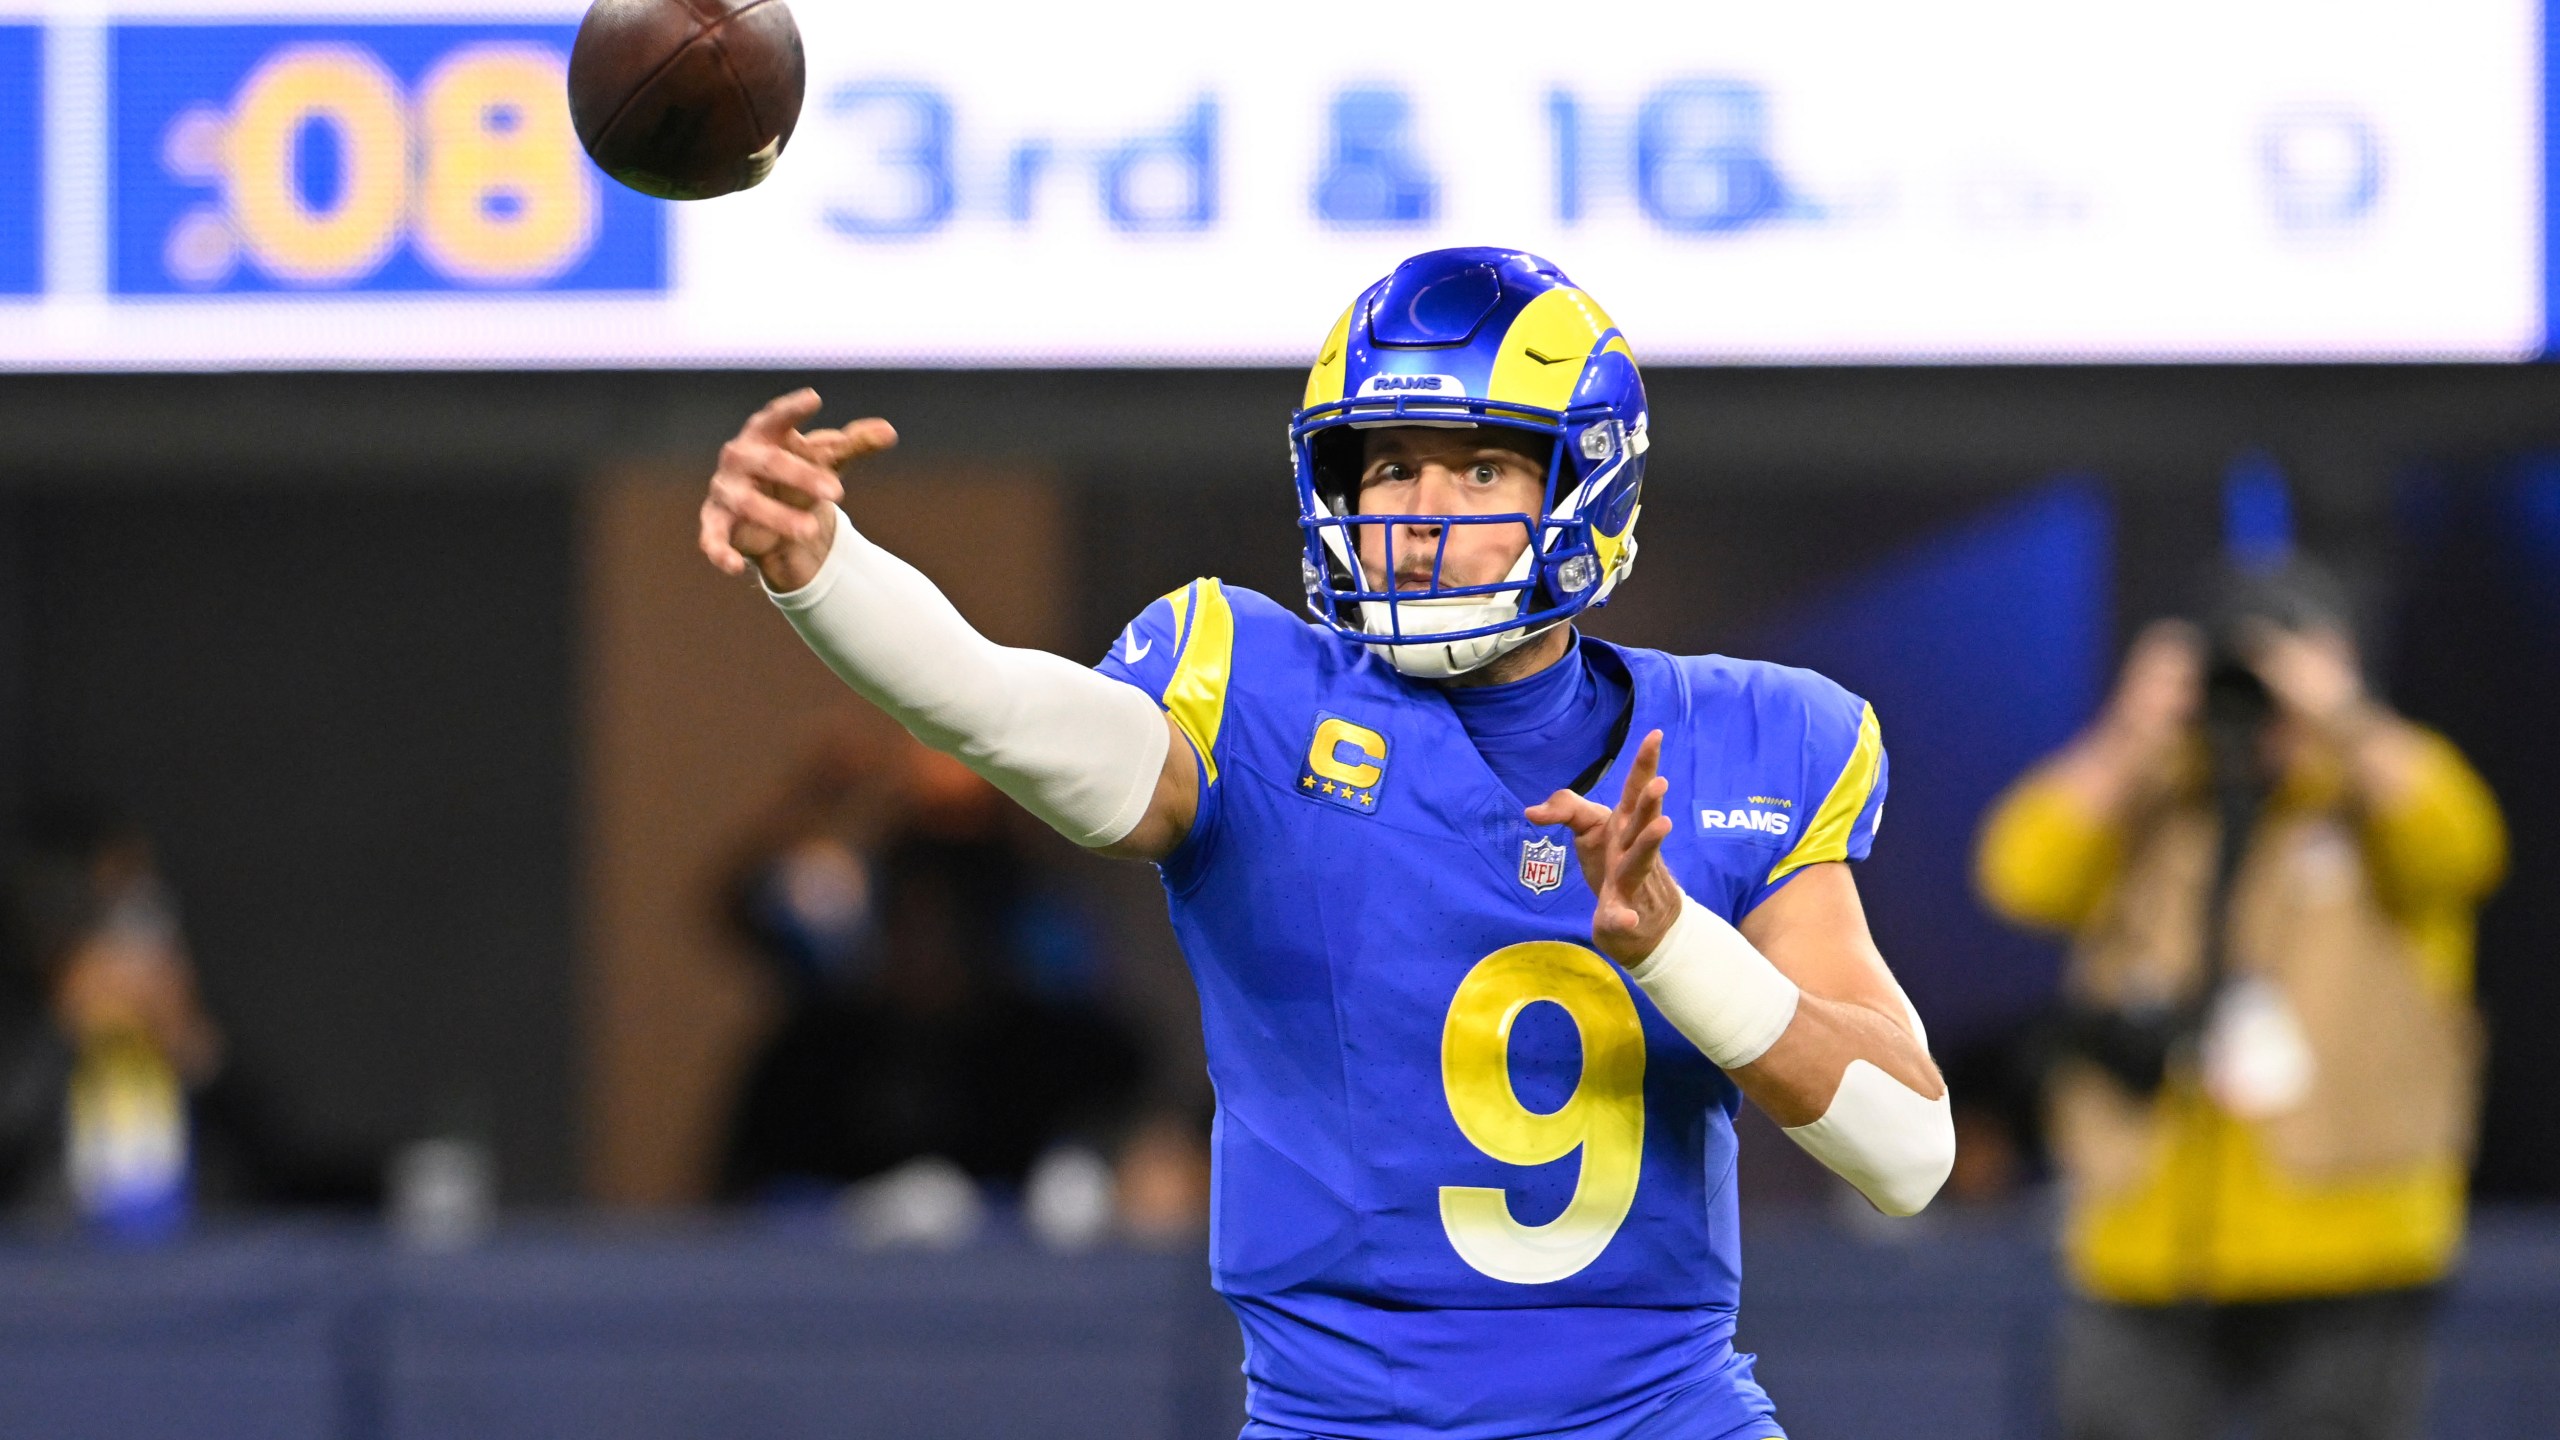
{"x": 1486, "y": 472}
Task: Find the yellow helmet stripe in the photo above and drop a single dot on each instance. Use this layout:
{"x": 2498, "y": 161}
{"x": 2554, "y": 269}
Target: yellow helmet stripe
{"x": 1546, "y": 347}
{"x": 1325, "y": 383}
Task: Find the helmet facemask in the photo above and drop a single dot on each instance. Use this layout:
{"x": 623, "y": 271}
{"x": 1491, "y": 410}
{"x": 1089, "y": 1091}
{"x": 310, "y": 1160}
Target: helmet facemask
{"x": 1444, "y": 629}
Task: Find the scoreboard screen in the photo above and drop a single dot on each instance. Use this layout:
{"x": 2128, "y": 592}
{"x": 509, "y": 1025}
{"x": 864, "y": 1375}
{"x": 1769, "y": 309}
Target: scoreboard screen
{"x": 394, "y": 183}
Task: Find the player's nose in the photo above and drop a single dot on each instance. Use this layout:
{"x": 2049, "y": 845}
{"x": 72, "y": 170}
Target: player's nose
{"x": 1417, "y": 555}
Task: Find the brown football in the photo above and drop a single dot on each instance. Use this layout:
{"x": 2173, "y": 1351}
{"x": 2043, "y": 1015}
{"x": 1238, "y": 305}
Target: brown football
{"x": 686, "y": 99}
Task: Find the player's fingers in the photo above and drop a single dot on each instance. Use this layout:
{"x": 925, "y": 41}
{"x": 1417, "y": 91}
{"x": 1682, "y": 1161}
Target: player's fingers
{"x": 715, "y": 542}
{"x": 1637, "y": 808}
{"x": 1638, "y": 858}
{"x": 862, "y": 437}
{"x": 803, "y": 443}
{"x": 1566, "y": 808}
{"x": 1648, "y": 807}
{"x": 1636, "y": 849}
{"x": 748, "y": 503}
{"x": 818, "y": 447}
{"x": 735, "y": 495}
{"x": 1641, "y": 771}
{"x": 782, "y": 414}
{"x": 1589, "y": 823}
{"x": 777, "y": 514}
{"x": 787, "y": 476}
{"x": 836, "y": 449}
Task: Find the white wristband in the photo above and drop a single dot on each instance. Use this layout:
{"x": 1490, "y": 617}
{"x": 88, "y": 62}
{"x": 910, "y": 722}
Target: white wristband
{"x": 1716, "y": 987}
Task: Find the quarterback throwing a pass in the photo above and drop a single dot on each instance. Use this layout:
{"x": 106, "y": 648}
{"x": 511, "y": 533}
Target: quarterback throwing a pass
{"x": 1478, "y": 1037}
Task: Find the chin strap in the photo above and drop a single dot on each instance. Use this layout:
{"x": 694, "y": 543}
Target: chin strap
{"x": 1426, "y": 659}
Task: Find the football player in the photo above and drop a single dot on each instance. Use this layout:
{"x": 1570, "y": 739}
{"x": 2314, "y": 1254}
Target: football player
{"x": 1478, "y": 1037}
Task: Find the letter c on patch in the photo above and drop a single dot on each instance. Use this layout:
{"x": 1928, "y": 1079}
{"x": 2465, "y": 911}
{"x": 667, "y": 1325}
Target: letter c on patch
{"x": 1326, "y": 758}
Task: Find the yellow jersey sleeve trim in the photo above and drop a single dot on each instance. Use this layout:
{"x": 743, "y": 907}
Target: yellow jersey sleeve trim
{"x": 1827, "y": 838}
{"x": 1196, "y": 696}
{"x": 1180, "y": 600}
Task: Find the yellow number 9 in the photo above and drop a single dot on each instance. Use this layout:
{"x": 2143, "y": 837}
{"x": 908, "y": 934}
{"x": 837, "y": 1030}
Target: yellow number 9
{"x": 1604, "y": 1117}
{"x": 505, "y": 196}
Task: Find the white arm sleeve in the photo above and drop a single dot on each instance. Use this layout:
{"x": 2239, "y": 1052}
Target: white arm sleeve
{"x": 1077, "y": 748}
{"x": 1716, "y": 987}
{"x": 1883, "y": 1137}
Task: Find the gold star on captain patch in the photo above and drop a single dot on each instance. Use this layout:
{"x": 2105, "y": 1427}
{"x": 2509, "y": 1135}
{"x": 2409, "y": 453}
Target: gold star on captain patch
{"x": 1306, "y": 782}
{"x": 1367, "y": 799}
{"x": 1328, "y": 787}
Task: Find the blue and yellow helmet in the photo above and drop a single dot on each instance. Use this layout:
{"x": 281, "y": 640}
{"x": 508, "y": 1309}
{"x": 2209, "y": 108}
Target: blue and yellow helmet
{"x": 1469, "y": 337}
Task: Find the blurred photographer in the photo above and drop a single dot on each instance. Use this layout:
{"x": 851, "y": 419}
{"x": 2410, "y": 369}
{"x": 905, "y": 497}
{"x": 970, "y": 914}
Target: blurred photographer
{"x": 2261, "y": 1090}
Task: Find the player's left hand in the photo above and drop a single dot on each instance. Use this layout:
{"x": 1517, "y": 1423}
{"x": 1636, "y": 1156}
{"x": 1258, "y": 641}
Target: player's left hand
{"x": 1620, "y": 850}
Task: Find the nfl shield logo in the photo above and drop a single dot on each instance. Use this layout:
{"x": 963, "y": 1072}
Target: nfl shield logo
{"x": 1541, "y": 864}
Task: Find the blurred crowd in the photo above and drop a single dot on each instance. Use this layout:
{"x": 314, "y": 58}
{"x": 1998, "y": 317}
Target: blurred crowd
{"x": 948, "y": 1052}
{"x": 948, "y": 1041}
{"x": 122, "y": 1107}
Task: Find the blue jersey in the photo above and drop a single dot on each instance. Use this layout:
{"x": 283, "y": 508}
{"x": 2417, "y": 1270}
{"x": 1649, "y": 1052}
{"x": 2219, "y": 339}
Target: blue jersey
{"x": 1469, "y": 1182}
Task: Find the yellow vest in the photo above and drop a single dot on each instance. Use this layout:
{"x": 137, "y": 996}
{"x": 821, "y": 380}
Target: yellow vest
{"x": 2361, "y": 917}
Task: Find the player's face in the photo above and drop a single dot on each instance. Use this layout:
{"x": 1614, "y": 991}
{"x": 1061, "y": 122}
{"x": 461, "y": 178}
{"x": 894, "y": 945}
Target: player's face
{"x": 1416, "y": 470}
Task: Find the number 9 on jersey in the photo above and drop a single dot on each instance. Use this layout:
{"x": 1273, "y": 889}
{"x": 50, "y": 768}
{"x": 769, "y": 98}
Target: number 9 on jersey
{"x": 1603, "y": 1118}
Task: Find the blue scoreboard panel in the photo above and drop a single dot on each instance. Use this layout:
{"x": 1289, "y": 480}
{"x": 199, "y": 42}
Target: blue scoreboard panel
{"x": 21, "y": 159}
{"x": 361, "y": 157}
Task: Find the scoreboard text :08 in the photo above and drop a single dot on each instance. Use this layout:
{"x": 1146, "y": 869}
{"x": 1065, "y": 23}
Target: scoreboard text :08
{"x": 475, "y": 166}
